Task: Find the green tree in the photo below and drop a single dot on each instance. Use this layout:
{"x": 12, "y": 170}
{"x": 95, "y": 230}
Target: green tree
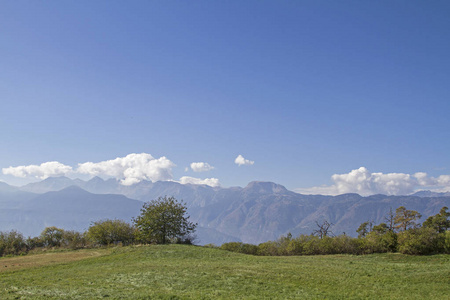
{"x": 106, "y": 232}
{"x": 382, "y": 228}
{"x": 439, "y": 222}
{"x": 420, "y": 241}
{"x": 163, "y": 220}
{"x": 73, "y": 239}
{"x": 406, "y": 219}
{"x": 52, "y": 236}
{"x": 12, "y": 242}
{"x": 364, "y": 229}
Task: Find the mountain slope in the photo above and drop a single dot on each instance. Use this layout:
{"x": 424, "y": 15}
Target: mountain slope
{"x": 71, "y": 208}
{"x": 259, "y": 212}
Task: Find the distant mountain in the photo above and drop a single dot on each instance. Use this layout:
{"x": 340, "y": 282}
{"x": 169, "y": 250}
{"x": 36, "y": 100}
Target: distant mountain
{"x": 4, "y": 187}
{"x": 431, "y": 194}
{"x": 259, "y": 212}
{"x": 51, "y": 184}
{"x": 71, "y": 208}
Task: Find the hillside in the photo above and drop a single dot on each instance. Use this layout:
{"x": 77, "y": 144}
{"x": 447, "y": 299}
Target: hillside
{"x": 189, "y": 272}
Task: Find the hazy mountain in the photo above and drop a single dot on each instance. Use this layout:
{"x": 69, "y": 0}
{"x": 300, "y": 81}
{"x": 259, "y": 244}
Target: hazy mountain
{"x": 4, "y": 187}
{"x": 431, "y": 194}
{"x": 51, "y": 184}
{"x": 259, "y": 212}
{"x": 70, "y": 208}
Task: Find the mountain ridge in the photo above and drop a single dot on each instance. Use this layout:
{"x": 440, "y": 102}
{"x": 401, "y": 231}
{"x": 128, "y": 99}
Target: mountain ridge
{"x": 255, "y": 213}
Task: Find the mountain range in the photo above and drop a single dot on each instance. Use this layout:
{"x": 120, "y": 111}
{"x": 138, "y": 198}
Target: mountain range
{"x": 259, "y": 212}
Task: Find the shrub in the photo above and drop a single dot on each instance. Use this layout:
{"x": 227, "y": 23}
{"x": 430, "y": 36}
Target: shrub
{"x": 12, "y": 243}
{"x": 74, "y": 239}
{"x": 109, "y": 232}
{"x": 52, "y": 236}
{"x": 447, "y": 242}
{"x": 420, "y": 241}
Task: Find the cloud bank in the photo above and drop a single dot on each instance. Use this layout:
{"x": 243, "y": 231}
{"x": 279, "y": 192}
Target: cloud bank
{"x": 363, "y": 182}
{"x": 201, "y": 167}
{"x": 214, "y": 182}
{"x": 131, "y": 169}
{"x": 241, "y": 161}
{"x": 42, "y": 171}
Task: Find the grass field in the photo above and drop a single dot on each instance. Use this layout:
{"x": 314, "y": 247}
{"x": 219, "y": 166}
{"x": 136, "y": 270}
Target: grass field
{"x": 189, "y": 272}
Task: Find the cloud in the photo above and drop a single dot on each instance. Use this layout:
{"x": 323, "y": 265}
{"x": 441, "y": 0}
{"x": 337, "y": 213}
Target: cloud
{"x": 240, "y": 160}
{"x": 365, "y": 183}
{"x": 214, "y": 182}
{"x": 42, "y": 171}
{"x": 201, "y": 167}
{"x": 131, "y": 169}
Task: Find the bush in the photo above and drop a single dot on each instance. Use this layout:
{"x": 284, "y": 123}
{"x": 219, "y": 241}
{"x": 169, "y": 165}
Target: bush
{"x": 240, "y": 248}
{"x": 268, "y": 249}
{"x": 74, "y": 239}
{"x": 52, "y": 236}
{"x": 376, "y": 242}
{"x": 447, "y": 242}
{"x": 420, "y": 241}
{"x": 109, "y": 232}
{"x": 12, "y": 243}
{"x": 34, "y": 242}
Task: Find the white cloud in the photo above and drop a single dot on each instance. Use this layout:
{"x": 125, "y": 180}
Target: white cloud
{"x": 214, "y": 182}
{"x": 240, "y": 160}
{"x": 42, "y": 171}
{"x": 131, "y": 169}
{"x": 363, "y": 182}
{"x": 201, "y": 167}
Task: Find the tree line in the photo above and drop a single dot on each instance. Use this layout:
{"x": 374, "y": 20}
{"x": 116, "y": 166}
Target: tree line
{"x": 165, "y": 220}
{"x": 401, "y": 232}
{"x": 161, "y": 221}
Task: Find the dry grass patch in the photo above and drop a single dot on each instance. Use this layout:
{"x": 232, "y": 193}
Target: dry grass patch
{"x": 38, "y": 260}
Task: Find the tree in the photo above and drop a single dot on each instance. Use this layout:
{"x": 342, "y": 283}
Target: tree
{"x": 390, "y": 219}
{"x": 52, "y": 236}
{"x": 106, "y": 232}
{"x": 323, "y": 230}
{"x": 163, "y": 220}
{"x": 364, "y": 229}
{"x": 439, "y": 222}
{"x": 382, "y": 228}
{"x": 406, "y": 219}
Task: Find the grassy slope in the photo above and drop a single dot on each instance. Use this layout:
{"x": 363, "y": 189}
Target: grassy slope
{"x": 176, "y": 271}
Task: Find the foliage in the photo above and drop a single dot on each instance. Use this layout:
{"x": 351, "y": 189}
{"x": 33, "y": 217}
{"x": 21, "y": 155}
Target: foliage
{"x": 380, "y": 241}
{"x": 107, "y": 232}
{"x": 52, "y": 236}
{"x": 12, "y": 243}
{"x": 163, "y": 221}
{"x": 439, "y": 222}
{"x": 405, "y": 219}
{"x": 74, "y": 240}
{"x": 364, "y": 229}
{"x": 419, "y": 241}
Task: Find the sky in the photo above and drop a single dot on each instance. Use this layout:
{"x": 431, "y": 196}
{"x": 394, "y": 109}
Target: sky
{"x": 319, "y": 96}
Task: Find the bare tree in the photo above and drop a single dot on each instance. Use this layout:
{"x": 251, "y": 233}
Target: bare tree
{"x": 390, "y": 219}
{"x": 323, "y": 230}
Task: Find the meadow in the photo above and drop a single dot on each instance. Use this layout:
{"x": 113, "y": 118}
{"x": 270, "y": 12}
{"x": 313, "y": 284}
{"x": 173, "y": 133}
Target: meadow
{"x": 193, "y": 272}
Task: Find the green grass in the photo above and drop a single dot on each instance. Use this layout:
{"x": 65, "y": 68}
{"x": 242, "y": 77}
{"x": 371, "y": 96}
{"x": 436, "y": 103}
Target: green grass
{"x": 189, "y": 272}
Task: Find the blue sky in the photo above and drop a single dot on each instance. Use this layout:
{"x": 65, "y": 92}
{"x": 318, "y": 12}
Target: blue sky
{"x": 304, "y": 89}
